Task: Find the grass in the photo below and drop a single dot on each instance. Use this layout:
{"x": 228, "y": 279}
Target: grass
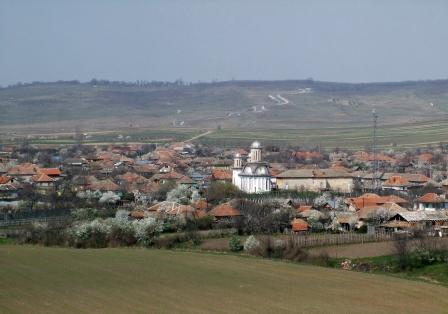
{"x": 389, "y": 136}
{"x": 58, "y": 280}
{"x": 392, "y": 136}
{"x": 388, "y": 264}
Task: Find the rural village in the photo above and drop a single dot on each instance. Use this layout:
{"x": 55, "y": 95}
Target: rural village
{"x": 294, "y": 190}
{"x": 223, "y": 157}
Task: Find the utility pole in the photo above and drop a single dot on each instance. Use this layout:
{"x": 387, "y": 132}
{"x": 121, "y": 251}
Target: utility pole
{"x": 375, "y": 160}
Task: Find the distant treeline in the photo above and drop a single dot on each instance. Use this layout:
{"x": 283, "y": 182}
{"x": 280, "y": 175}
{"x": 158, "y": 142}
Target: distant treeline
{"x": 322, "y": 85}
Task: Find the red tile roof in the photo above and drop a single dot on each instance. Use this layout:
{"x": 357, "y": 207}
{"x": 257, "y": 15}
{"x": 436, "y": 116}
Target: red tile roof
{"x": 431, "y": 198}
{"x": 200, "y": 205}
{"x": 425, "y": 157}
{"x": 299, "y": 225}
{"x": 50, "y": 171}
{"x": 137, "y": 214}
{"x": 4, "y": 179}
{"x": 199, "y": 213}
{"x": 41, "y": 178}
{"x": 104, "y": 185}
{"x": 131, "y": 177}
{"x": 24, "y": 170}
{"x": 396, "y": 181}
{"x": 222, "y": 174}
{"x": 225, "y": 210}
{"x": 371, "y": 199}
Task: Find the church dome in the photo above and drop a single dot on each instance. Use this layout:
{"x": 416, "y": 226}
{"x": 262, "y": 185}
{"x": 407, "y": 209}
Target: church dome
{"x": 255, "y": 144}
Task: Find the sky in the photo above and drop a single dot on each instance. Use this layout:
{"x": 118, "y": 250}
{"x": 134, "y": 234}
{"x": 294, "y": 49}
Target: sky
{"x": 164, "y": 40}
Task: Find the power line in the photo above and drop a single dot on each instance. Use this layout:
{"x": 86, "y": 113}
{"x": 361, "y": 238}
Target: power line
{"x": 375, "y": 159}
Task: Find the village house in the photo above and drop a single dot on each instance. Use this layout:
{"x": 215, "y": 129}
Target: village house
{"x": 54, "y": 173}
{"x": 8, "y": 191}
{"x": 431, "y": 202}
{"x": 225, "y": 212}
{"x": 315, "y": 180}
{"x": 395, "y": 181}
{"x": 43, "y": 183}
{"x": 299, "y": 225}
{"x": 221, "y": 175}
{"x": 372, "y": 199}
{"x": 417, "y": 220}
{"x": 24, "y": 171}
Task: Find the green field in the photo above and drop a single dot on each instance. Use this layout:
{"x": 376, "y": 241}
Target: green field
{"x": 58, "y": 280}
{"x": 402, "y": 136}
{"x": 389, "y": 136}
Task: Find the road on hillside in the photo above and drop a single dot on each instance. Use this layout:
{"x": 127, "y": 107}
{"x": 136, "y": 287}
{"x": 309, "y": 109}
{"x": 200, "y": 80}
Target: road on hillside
{"x": 199, "y": 136}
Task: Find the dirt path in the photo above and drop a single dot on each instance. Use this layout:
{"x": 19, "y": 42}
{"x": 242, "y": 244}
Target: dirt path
{"x": 356, "y": 250}
{"x": 199, "y": 136}
{"x": 360, "y": 250}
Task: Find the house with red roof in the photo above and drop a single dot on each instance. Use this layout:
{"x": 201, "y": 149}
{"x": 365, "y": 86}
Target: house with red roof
{"x": 397, "y": 183}
{"x": 432, "y": 202}
{"x": 24, "y": 171}
{"x": 51, "y": 172}
{"x": 372, "y": 199}
{"x": 43, "y": 183}
{"x": 8, "y": 190}
{"x": 224, "y": 212}
{"x": 299, "y": 225}
{"x": 221, "y": 175}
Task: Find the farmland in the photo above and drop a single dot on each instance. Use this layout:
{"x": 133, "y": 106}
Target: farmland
{"x": 402, "y": 136}
{"x": 411, "y": 114}
{"x": 54, "y": 280}
{"x": 233, "y": 104}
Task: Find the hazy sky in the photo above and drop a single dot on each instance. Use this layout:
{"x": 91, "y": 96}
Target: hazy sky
{"x": 204, "y": 40}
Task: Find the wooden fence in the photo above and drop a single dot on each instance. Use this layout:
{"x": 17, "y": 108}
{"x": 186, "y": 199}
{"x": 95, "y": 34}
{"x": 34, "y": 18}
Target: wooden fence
{"x": 311, "y": 240}
{"x": 28, "y": 221}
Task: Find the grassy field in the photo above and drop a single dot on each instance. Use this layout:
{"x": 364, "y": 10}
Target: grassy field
{"x": 57, "y": 280}
{"x": 389, "y": 136}
{"x": 401, "y": 136}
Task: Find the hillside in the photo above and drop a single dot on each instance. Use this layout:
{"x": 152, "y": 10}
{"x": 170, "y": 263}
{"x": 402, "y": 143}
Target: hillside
{"x": 56, "y": 280}
{"x": 233, "y": 104}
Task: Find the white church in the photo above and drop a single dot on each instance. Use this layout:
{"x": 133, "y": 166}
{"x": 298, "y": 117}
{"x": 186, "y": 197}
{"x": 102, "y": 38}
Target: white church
{"x": 252, "y": 176}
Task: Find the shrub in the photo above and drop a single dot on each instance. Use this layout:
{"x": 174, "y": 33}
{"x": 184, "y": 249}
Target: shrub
{"x": 122, "y": 214}
{"x": 270, "y": 247}
{"x": 172, "y": 240}
{"x": 84, "y": 213}
{"x": 173, "y": 224}
{"x": 193, "y": 237}
{"x": 147, "y": 229}
{"x": 205, "y": 223}
{"x": 93, "y": 234}
{"x": 42, "y": 233}
{"x": 293, "y": 252}
{"x": 121, "y": 232}
{"x": 402, "y": 250}
{"x": 251, "y": 244}
{"x": 235, "y": 244}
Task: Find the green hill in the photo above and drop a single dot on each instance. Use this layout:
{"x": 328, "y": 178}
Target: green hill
{"x": 228, "y": 103}
{"x": 292, "y": 112}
